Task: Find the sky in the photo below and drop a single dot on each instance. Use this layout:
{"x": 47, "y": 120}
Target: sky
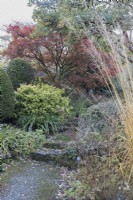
{"x": 14, "y": 10}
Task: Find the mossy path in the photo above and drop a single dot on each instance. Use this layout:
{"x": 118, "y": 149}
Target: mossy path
{"x": 30, "y": 180}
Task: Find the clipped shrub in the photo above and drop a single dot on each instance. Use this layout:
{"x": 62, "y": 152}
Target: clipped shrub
{"x": 41, "y": 106}
{"x": 7, "y": 101}
{"x": 20, "y": 72}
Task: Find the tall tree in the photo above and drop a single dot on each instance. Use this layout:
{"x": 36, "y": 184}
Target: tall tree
{"x": 91, "y": 18}
{"x": 46, "y": 16}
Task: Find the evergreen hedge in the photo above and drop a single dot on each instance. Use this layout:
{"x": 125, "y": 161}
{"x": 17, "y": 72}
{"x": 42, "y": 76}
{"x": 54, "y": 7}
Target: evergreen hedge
{"x": 7, "y": 101}
{"x": 20, "y": 72}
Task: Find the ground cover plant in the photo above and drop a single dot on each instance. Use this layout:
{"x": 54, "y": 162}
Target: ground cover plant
{"x": 18, "y": 142}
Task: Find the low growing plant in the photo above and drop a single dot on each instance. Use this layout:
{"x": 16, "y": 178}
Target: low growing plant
{"x": 79, "y": 107}
{"x": 19, "y": 141}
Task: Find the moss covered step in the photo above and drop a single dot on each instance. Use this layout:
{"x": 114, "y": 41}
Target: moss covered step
{"x": 55, "y": 145}
{"x": 47, "y": 155}
{"x": 58, "y": 156}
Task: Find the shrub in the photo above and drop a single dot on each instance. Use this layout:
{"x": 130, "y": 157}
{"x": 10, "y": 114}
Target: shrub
{"x": 41, "y": 106}
{"x": 79, "y": 107}
{"x": 7, "y": 96}
{"x": 99, "y": 118}
{"x": 20, "y": 72}
{"x": 19, "y": 141}
{"x": 89, "y": 62}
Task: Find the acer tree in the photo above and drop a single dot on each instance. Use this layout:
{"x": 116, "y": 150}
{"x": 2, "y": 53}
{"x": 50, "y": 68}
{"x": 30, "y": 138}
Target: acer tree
{"x": 79, "y": 62}
{"x": 84, "y": 63}
{"x": 50, "y": 52}
{"x": 89, "y": 62}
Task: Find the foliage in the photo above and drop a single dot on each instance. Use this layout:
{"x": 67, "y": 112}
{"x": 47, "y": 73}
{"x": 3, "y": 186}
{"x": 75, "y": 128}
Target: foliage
{"x": 20, "y": 35}
{"x": 79, "y": 106}
{"x": 20, "y": 72}
{"x": 46, "y": 14}
{"x": 93, "y": 178}
{"x": 41, "y": 106}
{"x": 100, "y": 118}
{"x": 7, "y": 101}
{"x": 77, "y": 62}
{"x": 19, "y": 141}
{"x": 71, "y": 152}
{"x": 107, "y": 20}
{"x": 62, "y": 138}
{"x": 89, "y": 62}
{"x": 77, "y": 190}
{"x": 83, "y": 62}
{"x": 50, "y": 52}
{"x": 117, "y": 85}
{"x": 92, "y": 18}
{"x": 85, "y": 13}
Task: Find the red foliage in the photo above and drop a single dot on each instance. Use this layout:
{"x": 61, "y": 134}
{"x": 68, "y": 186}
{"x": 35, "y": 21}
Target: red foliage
{"x": 20, "y": 30}
{"x": 110, "y": 63}
{"x": 91, "y": 65}
{"x": 80, "y": 63}
{"x": 22, "y": 44}
{"x": 50, "y": 51}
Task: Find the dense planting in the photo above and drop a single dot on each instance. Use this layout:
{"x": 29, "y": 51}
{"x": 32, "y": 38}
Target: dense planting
{"x": 85, "y": 47}
{"x": 19, "y": 141}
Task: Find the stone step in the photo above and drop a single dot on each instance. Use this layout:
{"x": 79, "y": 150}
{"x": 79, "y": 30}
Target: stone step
{"x": 47, "y": 154}
{"x": 58, "y": 156}
{"x": 55, "y": 145}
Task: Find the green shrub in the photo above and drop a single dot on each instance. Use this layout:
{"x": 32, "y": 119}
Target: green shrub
{"x": 100, "y": 118}
{"x": 79, "y": 107}
{"x": 19, "y": 141}
{"x": 20, "y": 72}
{"x": 7, "y": 96}
{"x": 41, "y": 106}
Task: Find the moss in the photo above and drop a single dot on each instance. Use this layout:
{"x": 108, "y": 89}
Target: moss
{"x": 53, "y": 145}
{"x": 40, "y": 180}
{"x": 20, "y": 72}
{"x": 7, "y": 96}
